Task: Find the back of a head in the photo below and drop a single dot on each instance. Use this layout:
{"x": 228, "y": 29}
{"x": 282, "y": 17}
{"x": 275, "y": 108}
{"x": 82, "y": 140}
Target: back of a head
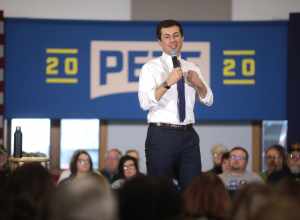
{"x": 149, "y": 198}
{"x": 249, "y": 199}
{"x": 82, "y": 199}
{"x": 289, "y": 187}
{"x": 206, "y": 196}
{"x": 30, "y": 187}
{"x": 285, "y": 209}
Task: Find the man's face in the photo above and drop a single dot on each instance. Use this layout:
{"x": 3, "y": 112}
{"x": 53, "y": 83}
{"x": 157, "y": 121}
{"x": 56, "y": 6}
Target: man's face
{"x": 274, "y": 160}
{"x": 294, "y": 162}
{"x": 238, "y": 161}
{"x": 112, "y": 161}
{"x": 171, "y": 39}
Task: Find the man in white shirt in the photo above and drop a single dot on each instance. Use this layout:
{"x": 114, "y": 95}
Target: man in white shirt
{"x": 172, "y": 145}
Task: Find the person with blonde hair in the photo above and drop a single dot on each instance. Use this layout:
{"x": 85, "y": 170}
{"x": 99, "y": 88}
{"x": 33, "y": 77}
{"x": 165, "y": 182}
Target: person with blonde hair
{"x": 216, "y": 152}
{"x": 133, "y": 153}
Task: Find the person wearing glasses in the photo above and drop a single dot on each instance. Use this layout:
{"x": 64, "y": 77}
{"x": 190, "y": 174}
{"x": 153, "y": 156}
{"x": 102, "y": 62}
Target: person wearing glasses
{"x": 81, "y": 165}
{"x": 128, "y": 168}
{"x": 293, "y": 168}
{"x": 238, "y": 174}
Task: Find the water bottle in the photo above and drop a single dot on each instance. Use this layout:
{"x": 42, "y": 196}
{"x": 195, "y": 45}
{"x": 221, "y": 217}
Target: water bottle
{"x": 18, "y": 142}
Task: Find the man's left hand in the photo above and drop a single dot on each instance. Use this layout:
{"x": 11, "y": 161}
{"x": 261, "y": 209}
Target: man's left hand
{"x": 193, "y": 78}
{"x": 195, "y": 81}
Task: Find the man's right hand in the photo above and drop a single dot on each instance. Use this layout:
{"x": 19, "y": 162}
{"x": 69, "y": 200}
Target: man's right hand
{"x": 174, "y": 76}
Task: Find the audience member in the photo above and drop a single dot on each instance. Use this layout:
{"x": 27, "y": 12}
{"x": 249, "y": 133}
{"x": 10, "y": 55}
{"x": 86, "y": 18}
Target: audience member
{"x": 128, "y": 168}
{"x": 64, "y": 175}
{"x": 83, "y": 199}
{"x": 217, "y": 151}
{"x": 206, "y": 198}
{"x": 3, "y": 159}
{"x": 111, "y": 163}
{"x": 133, "y": 153}
{"x": 294, "y": 164}
{"x": 278, "y": 208}
{"x": 295, "y": 146}
{"x": 81, "y": 164}
{"x": 4, "y": 167}
{"x": 292, "y": 171}
{"x": 225, "y": 162}
{"x": 289, "y": 187}
{"x": 30, "y": 188}
{"x": 275, "y": 160}
{"x": 4, "y": 178}
{"x": 149, "y": 198}
{"x": 238, "y": 175}
{"x": 249, "y": 199}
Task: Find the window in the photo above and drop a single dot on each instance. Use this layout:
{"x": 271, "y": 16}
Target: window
{"x": 79, "y": 134}
{"x": 35, "y": 135}
{"x": 274, "y": 132}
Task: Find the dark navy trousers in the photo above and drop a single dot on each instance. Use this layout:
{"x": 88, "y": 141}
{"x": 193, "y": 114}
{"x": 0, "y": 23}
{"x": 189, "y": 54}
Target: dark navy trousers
{"x": 173, "y": 152}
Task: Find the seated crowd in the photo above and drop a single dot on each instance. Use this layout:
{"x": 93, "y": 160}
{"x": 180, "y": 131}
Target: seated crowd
{"x": 121, "y": 192}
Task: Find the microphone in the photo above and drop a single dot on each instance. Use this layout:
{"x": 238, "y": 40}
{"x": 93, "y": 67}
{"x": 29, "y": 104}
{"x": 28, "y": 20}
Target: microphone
{"x": 180, "y": 89}
{"x": 175, "y": 61}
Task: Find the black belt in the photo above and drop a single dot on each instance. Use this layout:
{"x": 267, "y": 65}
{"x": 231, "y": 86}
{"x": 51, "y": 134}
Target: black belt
{"x": 167, "y": 125}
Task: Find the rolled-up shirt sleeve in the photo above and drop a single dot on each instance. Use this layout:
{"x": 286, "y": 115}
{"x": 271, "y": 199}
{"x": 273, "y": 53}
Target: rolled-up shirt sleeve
{"x": 208, "y": 100}
{"x": 147, "y": 87}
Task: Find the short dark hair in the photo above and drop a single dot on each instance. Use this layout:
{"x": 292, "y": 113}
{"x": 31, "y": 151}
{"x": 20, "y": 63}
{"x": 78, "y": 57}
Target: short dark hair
{"x": 149, "y": 198}
{"x": 166, "y": 24}
{"x": 241, "y": 149}
{"x": 279, "y": 148}
{"x": 225, "y": 156}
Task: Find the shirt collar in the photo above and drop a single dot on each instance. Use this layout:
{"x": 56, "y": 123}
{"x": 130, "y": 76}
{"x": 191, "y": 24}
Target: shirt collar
{"x": 168, "y": 59}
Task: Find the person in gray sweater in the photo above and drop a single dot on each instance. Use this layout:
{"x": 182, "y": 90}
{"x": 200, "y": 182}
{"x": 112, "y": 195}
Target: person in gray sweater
{"x": 238, "y": 174}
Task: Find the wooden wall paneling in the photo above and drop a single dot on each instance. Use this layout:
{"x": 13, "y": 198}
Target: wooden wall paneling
{"x": 103, "y": 142}
{"x": 256, "y": 146}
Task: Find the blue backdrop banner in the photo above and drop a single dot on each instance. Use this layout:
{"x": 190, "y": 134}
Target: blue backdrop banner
{"x": 89, "y": 69}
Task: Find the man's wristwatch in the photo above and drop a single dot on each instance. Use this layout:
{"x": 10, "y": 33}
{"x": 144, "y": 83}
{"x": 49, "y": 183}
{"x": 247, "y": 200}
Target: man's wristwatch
{"x": 165, "y": 85}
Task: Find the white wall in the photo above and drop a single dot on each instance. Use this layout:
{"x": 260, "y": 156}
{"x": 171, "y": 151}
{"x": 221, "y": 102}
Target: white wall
{"x": 264, "y": 9}
{"x": 228, "y": 134}
{"x": 68, "y": 9}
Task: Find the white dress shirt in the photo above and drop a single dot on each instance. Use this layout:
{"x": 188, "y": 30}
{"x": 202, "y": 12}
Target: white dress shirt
{"x": 152, "y": 75}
